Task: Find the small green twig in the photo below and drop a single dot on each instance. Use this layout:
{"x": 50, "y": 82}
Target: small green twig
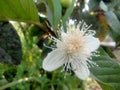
{"x": 16, "y": 82}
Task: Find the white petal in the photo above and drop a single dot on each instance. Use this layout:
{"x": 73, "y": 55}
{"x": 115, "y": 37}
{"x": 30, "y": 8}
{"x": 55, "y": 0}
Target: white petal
{"x": 54, "y": 60}
{"x": 81, "y": 69}
{"x": 92, "y": 43}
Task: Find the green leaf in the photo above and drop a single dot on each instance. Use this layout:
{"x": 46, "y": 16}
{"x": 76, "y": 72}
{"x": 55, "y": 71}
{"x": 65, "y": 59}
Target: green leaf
{"x": 49, "y": 14}
{"x": 108, "y": 71}
{"x": 113, "y": 21}
{"x": 35, "y": 31}
{"x": 93, "y": 4}
{"x": 53, "y": 12}
{"x": 68, "y": 12}
{"x": 105, "y": 86}
{"x": 103, "y": 6}
{"x": 18, "y": 10}
{"x": 117, "y": 13}
{"x": 112, "y": 4}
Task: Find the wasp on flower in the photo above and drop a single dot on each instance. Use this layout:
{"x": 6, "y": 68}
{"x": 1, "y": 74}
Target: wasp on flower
{"x": 74, "y": 50}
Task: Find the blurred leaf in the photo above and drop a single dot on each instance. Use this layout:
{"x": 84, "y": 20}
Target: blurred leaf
{"x": 117, "y": 13}
{"x": 68, "y": 12}
{"x": 103, "y": 6}
{"x": 114, "y": 23}
{"x": 112, "y": 4}
{"x": 105, "y": 86}
{"x": 19, "y": 10}
{"x": 107, "y": 72}
{"x": 49, "y": 14}
{"x": 10, "y": 73}
{"x": 93, "y": 4}
{"x": 53, "y": 12}
{"x": 35, "y": 31}
{"x": 10, "y": 43}
{"x": 109, "y": 51}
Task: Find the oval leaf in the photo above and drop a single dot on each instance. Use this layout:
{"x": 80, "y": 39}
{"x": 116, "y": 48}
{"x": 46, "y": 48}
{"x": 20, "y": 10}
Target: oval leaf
{"x": 107, "y": 72}
{"x": 19, "y": 10}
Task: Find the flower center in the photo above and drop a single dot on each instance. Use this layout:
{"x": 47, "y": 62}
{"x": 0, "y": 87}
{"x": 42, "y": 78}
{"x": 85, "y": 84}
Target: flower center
{"x": 73, "y": 42}
{"x": 72, "y": 46}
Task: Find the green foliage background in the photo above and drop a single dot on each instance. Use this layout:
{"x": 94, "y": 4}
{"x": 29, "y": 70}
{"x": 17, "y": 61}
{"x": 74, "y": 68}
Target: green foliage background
{"x": 26, "y": 44}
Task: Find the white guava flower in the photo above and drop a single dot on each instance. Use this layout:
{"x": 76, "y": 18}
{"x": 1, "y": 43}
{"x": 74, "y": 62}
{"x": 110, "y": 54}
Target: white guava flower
{"x": 74, "y": 49}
